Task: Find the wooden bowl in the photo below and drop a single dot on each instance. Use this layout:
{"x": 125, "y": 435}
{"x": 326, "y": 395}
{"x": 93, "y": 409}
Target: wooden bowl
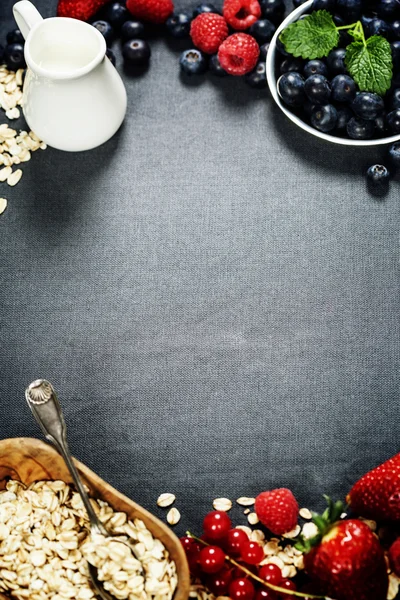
{"x": 29, "y": 460}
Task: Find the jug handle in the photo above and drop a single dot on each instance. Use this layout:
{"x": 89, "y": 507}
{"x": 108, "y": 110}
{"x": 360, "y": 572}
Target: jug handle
{"x": 26, "y": 16}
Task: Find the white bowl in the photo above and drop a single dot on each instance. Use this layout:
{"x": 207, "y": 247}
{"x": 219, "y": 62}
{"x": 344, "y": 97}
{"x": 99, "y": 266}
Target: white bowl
{"x": 271, "y": 78}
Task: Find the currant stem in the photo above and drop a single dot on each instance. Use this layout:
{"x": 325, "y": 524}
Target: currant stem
{"x": 255, "y": 577}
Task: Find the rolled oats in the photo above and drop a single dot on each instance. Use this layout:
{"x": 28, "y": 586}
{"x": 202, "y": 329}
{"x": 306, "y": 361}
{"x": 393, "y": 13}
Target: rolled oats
{"x": 173, "y": 516}
{"x": 223, "y": 504}
{"x": 165, "y": 500}
{"x": 244, "y": 501}
{"x": 305, "y": 513}
{"x": 253, "y": 518}
{"x": 3, "y": 206}
{"x": 45, "y": 544}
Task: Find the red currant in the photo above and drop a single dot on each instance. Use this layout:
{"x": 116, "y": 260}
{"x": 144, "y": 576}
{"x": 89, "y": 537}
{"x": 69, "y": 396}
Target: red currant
{"x": 266, "y": 594}
{"x": 211, "y": 559}
{"x": 271, "y": 573}
{"x": 241, "y": 589}
{"x": 216, "y": 524}
{"x": 218, "y": 583}
{"x": 192, "y": 550}
{"x": 288, "y": 584}
{"x": 251, "y": 553}
{"x": 239, "y": 573}
{"x": 234, "y": 541}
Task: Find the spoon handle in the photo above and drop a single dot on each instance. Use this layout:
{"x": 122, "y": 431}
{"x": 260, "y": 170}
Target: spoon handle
{"x": 45, "y": 407}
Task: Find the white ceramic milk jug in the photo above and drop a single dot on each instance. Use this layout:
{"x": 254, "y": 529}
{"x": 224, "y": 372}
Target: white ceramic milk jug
{"x": 73, "y": 97}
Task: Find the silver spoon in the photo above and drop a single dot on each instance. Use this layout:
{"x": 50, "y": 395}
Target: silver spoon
{"x": 46, "y": 409}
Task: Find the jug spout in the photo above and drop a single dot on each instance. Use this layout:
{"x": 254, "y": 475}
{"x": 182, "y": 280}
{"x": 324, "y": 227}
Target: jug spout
{"x": 26, "y": 16}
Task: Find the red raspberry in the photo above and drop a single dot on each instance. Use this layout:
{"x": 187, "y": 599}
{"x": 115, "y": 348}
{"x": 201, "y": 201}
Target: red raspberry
{"x": 238, "y": 54}
{"x": 241, "y": 14}
{"x": 277, "y": 510}
{"x": 394, "y": 556}
{"x": 154, "y": 11}
{"x": 208, "y": 31}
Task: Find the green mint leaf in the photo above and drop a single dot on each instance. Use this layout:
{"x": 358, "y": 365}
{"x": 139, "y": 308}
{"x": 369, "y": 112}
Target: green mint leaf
{"x": 370, "y": 64}
{"x": 312, "y": 37}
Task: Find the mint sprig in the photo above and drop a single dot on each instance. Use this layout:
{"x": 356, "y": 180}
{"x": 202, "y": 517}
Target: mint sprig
{"x": 369, "y": 61}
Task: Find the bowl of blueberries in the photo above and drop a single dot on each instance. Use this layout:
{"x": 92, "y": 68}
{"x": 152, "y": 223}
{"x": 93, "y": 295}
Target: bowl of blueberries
{"x": 333, "y": 68}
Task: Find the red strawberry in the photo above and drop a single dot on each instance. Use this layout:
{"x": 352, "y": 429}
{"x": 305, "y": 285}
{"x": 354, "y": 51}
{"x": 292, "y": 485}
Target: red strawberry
{"x": 377, "y": 494}
{"x": 349, "y": 563}
{"x": 154, "y": 11}
{"x": 277, "y": 510}
{"x": 79, "y": 9}
{"x": 394, "y": 557}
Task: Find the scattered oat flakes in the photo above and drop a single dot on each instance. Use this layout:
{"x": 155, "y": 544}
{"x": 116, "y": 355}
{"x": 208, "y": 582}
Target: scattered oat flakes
{"x": 244, "y": 501}
{"x": 3, "y": 206}
{"x": 5, "y": 172}
{"x": 253, "y": 519}
{"x": 14, "y": 177}
{"x": 309, "y": 530}
{"x": 165, "y": 500}
{"x": 394, "y": 585}
{"x": 223, "y": 504}
{"x": 173, "y": 516}
{"x": 292, "y": 534}
{"x": 246, "y": 511}
{"x": 305, "y": 513}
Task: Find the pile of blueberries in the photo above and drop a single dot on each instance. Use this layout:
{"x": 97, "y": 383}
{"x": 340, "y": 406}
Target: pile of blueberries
{"x": 321, "y": 91}
{"x": 12, "y": 55}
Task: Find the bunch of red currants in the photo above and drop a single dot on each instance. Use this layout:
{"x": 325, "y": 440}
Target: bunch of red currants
{"x": 210, "y": 563}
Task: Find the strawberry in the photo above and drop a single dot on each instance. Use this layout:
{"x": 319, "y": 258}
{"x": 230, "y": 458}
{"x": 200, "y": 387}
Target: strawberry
{"x": 278, "y": 510}
{"x": 394, "y": 557}
{"x": 377, "y": 494}
{"x": 79, "y": 9}
{"x": 349, "y": 563}
{"x": 153, "y": 11}
{"x": 345, "y": 560}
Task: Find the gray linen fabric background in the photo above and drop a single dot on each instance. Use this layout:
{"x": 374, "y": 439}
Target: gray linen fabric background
{"x": 213, "y": 293}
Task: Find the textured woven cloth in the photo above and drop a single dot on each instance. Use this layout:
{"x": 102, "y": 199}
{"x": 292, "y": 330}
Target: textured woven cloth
{"x": 213, "y": 293}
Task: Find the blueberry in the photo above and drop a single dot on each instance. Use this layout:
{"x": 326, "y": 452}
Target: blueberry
{"x": 105, "y": 29}
{"x": 315, "y": 67}
{"x": 388, "y": 9}
{"x": 132, "y": 30}
{"x": 381, "y": 125}
{"x": 379, "y": 27}
{"x": 262, "y": 30}
{"x": 367, "y": 105}
{"x": 116, "y": 14}
{"x": 394, "y": 154}
{"x": 136, "y": 52}
{"x": 193, "y": 62}
{"x": 324, "y": 118}
{"x": 350, "y": 10}
{"x": 335, "y": 61}
{"x": 215, "y": 66}
{"x": 264, "y": 51}
{"x": 395, "y": 47}
{"x": 378, "y": 176}
{"x": 291, "y": 88}
{"x": 365, "y": 21}
{"x": 359, "y": 129}
{"x": 281, "y": 48}
{"x": 257, "y": 78}
{"x": 343, "y": 88}
{"x": 317, "y": 89}
{"x": 328, "y": 5}
{"x": 111, "y": 56}
{"x": 291, "y": 64}
{"x": 394, "y": 101}
{"x": 393, "y": 121}
{"x": 178, "y": 25}
{"x": 396, "y": 29}
{"x": 15, "y": 37}
{"x": 273, "y": 10}
{"x": 204, "y": 7}
{"x": 14, "y": 56}
{"x": 308, "y": 107}
{"x": 344, "y": 115}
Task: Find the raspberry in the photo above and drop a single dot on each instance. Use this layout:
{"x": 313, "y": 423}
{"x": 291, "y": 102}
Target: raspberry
{"x": 208, "y": 31}
{"x": 394, "y": 557}
{"x": 241, "y": 14}
{"x": 238, "y": 54}
{"x": 154, "y": 11}
{"x": 277, "y": 510}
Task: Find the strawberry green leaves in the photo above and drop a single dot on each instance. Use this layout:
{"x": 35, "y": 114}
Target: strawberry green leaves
{"x": 369, "y": 61}
{"x": 370, "y": 64}
{"x": 312, "y": 37}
